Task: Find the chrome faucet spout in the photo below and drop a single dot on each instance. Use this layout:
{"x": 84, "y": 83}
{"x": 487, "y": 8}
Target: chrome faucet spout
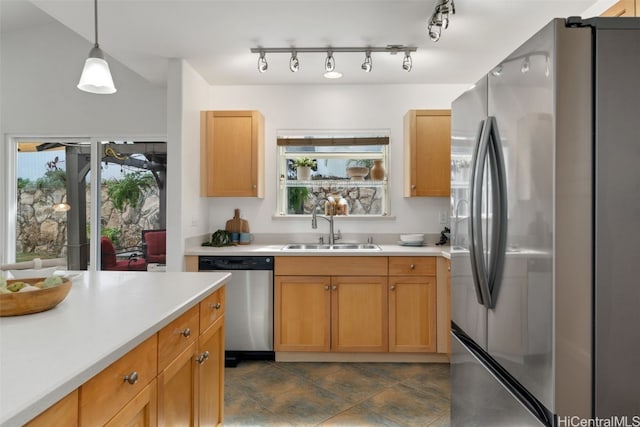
{"x": 457, "y": 221}
{"x": 314, "y": 219}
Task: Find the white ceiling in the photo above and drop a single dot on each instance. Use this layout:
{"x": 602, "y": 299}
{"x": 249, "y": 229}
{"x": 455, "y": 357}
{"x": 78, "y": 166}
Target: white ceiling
{"x": 215, "y": 36}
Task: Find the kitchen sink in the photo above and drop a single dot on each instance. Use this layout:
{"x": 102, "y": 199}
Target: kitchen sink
{"x": 334, "y": 247}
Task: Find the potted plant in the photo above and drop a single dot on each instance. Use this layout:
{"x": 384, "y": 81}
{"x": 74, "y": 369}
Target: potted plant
{"x": 303, "y": 167}
{"x": 296, "y": 199}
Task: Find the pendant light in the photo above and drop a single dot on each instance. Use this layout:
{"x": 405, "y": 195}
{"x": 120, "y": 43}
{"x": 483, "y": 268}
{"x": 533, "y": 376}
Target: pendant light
{"x": 96, "y": 76}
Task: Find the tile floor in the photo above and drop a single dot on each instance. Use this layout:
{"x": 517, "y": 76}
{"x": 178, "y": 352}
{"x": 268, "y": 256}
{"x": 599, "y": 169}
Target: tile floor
{"x": 336, "y": 394}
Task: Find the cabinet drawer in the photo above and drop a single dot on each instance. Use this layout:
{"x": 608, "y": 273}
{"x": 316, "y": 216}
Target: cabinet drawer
{"x": 63, "y": 413}
{"x": 211, "y": 308}
{"x": 174, "y": 338}
{"x": 331, "y": 266}
{"x": 106, "y": 393}
{"x": 412, "y": 266}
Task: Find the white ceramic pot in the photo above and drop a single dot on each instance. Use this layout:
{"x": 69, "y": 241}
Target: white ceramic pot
{"x": 303, "y": 173}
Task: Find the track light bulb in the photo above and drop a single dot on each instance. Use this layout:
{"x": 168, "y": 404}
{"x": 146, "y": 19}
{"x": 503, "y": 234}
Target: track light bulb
{"x": 329, "y": 62}
{"x": 525, "y": 65}
{"x": 262, "y": 63}
{"x": 367, "y": 64}
{"x": 434, "y": 33}
{"x": 294, "y": 63}
{"x": 407, "y": 63}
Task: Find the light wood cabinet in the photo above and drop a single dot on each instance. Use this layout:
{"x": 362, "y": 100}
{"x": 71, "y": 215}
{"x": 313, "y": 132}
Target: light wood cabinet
{"x": 232, "y": 154}
{"x": 427, "y": 153}
{"x": 412, "y": 304}
{"x": 175, "y": 377}
{"x": 108, "y": 392}
{"x": 623, "y": 8}
{"x": 210, "y": 375}
{"x": 345, "y": 311}
{"x": 302, "y": 307}
{"x": 359, "y": 314}
{"x": 63, "y": 413}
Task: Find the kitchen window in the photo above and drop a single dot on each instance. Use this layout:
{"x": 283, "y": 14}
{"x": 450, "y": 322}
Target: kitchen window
{"x": 350, "y": 170}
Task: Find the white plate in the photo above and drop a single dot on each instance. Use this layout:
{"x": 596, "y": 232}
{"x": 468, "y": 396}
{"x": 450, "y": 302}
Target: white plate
{"x": 401, "y": 243}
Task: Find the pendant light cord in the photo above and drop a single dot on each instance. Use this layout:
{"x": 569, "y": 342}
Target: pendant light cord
{"x": 95, "y": 20}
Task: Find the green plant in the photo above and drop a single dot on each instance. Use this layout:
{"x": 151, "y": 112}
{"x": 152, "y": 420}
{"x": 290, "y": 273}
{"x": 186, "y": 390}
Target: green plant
{"x": 295, "y": 199}
{"x": 128, "y": 190}
{"x": 112, "y": 234}
{"x": 304, "y": 161}
{"x": 52, "y": 179}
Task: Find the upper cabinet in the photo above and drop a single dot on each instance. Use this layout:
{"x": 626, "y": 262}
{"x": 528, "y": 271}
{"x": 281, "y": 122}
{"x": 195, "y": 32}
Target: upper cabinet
{"x": 623, "y": 8}
{"x": 427, "y": 153}
{"x": 232, "y": 154}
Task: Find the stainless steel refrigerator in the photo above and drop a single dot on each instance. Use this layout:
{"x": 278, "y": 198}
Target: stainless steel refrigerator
{"x": 545, "y": 276}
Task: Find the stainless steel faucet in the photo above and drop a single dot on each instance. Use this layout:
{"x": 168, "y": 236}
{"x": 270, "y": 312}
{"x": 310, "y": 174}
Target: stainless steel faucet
{"x": 456, "y": 241}
{"x": 314, "y": 220}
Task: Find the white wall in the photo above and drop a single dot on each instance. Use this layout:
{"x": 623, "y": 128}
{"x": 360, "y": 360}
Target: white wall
{"x": 187, "y": 95}
{"x": 323, "y": 107}
{"x": 41, "y": 67}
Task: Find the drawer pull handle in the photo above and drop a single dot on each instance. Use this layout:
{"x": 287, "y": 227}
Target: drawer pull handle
{"x": 204, "y": 356}
{"x": 393, "y": 287}
{"x": 132, "y": 378}
{"x": 412, "y": 266}
{"x": 186, "y": 333}
{"x": 326, "y": 287}
{"x": 215, "y": 306}
{"x": 334, "y": 287}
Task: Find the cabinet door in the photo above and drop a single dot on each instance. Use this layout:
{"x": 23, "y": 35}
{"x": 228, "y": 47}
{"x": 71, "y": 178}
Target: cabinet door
{"x": 232, "y": 153}
{"x": 177, "y": 390}
{"x": 63, "y": 413}
{"x": 302, "y": 315}
{"x": 622, "y": 8}
{"x": 412, "y": 314}
{"x": 427, "y": 153}
{"x": 359, "y": 314}
{"x": 210, "y": 375}
{"x": 139, "y": 411}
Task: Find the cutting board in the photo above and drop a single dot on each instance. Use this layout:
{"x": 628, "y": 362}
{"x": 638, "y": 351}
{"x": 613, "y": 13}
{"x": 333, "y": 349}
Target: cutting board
{"x": 237, "y": 224}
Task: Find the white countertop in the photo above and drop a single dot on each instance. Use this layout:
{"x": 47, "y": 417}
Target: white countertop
{"x": 45, "y": 356}
{"x": 276, "y": 250}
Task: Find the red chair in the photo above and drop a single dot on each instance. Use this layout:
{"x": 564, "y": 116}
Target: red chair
{"x": 154, "y": 246}
{"x": 108, "y": 260}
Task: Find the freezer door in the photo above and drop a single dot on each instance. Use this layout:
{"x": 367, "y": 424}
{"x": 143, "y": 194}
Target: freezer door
{"x": 521, "y": 98}
{"x": 480, "y": 399}
{"x": 468, "y": 114}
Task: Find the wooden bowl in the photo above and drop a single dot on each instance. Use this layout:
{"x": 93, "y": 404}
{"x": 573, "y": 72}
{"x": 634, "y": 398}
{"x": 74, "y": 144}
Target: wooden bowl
{"x": 19, "y": 303}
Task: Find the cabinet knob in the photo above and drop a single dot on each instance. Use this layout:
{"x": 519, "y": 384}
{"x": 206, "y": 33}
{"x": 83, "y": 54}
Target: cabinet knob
{"x": 254, "y": 186}
{"x": 186, "y": 333}
{"x": 412, "y": 266}
{"x": 132, "y": 378}
{"x": 204, "y": 356}
{"x": 334, "y": 287}
{"x": 393, "y": 287}
{"x": 449, "y": 268}
{"x": 413, "y": 186}
{"x": 326, "y": 287}
{"x": 215, "y": 306}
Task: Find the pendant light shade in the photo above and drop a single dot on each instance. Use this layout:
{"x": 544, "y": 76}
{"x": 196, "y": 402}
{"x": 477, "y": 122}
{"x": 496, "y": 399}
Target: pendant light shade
{"x": 96, "y": 76}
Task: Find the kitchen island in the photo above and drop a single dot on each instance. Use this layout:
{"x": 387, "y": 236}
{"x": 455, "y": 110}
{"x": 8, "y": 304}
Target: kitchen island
{"x": 45, "y": 356}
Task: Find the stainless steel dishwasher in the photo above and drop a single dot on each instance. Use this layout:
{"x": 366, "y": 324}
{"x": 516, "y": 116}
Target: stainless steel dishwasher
{"x": 249, "y": 306}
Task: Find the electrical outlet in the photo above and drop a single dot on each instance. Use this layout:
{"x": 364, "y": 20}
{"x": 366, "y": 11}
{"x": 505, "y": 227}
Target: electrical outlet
{"x": 444, "y": 218}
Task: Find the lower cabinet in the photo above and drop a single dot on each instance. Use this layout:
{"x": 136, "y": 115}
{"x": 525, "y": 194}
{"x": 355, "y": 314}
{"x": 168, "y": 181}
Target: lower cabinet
{"x": 412, "y": 308}
{"x": 174, "y": 378}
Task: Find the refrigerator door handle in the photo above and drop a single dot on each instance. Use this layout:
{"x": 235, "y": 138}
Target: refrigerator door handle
{"x": 499, "y": 213}
{"x": 476, "y": 249}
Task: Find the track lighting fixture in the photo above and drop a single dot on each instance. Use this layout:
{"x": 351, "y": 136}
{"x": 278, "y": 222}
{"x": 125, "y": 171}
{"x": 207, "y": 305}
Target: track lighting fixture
{"x": 407, "y": 63}
{"x": 262, "y": 62}
{"x": 330, "y": 62}
{"x": 367, "y": 65}
{"x": 440, "y": 18}
{"x": 96, "y": 76}
{"x": 294, "y": 63}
